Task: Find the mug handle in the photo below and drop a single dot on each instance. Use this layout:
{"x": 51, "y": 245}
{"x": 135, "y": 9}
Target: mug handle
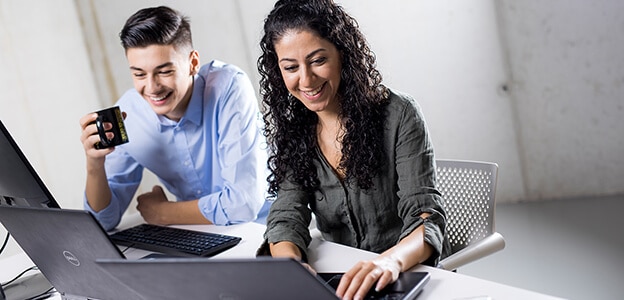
{"x": 99, "y": 123}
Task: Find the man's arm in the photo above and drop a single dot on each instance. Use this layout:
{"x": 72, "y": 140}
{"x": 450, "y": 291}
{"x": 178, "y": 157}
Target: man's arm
{"x": 97, "y": 190}
{"x": 155, "y": 208}
{"x": 107, "y": 200}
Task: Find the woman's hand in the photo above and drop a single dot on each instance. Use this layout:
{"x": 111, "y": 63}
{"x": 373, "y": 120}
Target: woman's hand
{"x": 380, "y": 272}
{"x": 386, "y": 268}
{"x": 289, "y": 250}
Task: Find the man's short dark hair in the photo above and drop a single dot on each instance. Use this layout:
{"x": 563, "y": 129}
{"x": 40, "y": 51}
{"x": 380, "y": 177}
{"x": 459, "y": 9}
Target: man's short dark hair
{"x": 156, "y": 26}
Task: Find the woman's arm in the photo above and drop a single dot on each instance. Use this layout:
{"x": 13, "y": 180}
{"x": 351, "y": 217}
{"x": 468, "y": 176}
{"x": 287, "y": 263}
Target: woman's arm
{"x": 385, "y": 269}
{"x": 289, "y": 250}
{"x": 285, "y": 249}
{"x": 418, "y": 205}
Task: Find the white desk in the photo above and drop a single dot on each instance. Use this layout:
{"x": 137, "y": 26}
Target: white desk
{"x": 331, "y": 257}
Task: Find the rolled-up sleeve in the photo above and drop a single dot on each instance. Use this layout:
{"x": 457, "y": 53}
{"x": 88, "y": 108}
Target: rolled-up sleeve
{"x": 415, "y": 167}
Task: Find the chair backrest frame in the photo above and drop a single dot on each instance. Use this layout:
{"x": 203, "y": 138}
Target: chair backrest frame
{"x": 468, "y": 190}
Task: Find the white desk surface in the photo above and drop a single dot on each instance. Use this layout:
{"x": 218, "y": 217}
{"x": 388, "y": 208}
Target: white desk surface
{"x": 329, "y": 257}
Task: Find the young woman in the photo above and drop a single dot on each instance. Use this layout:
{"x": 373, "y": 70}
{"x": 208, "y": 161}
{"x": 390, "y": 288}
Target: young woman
{"x": 344, "y": 147}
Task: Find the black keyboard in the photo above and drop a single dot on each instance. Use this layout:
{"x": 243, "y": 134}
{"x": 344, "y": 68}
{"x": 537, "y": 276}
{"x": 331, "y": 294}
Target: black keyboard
{"x": 174, "y": 241}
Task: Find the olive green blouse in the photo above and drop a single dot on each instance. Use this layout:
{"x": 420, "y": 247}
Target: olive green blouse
{"x": 374, "y": 219}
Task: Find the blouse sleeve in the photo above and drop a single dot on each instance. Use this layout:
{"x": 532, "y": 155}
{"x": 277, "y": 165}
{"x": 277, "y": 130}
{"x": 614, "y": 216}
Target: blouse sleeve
{"x": 289, "y": 218}
{"x": 415, "y": 165}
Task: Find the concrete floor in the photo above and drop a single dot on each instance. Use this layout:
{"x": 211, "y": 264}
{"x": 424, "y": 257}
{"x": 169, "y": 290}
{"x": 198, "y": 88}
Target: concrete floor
{"x": 566, "y": 248}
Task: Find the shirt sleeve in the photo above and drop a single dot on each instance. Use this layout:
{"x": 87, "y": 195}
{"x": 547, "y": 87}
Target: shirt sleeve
{"x": 290, "y": 217}
{"x": 241, "y": 157}
{"x": 124, "y": 177}
{"x": 415, "y": 167}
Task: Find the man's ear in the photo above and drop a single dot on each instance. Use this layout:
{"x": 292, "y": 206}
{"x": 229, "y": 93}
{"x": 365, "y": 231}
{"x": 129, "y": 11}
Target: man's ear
{"x": 194, "y": 61}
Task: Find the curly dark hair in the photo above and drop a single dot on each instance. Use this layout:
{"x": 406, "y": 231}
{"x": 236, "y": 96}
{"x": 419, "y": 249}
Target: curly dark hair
{"x": 290, "y": 127}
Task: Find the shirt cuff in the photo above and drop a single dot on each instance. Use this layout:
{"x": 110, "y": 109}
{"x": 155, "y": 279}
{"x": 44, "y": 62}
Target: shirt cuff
{"x": 107, "y": 217}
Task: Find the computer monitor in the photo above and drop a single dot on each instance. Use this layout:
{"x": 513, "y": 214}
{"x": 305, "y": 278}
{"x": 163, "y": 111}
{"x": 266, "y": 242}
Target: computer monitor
{"x": 19, "y": 183}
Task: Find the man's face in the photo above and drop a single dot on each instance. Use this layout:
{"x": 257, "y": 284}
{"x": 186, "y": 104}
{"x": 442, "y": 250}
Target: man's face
{"x": 163, "y": 75}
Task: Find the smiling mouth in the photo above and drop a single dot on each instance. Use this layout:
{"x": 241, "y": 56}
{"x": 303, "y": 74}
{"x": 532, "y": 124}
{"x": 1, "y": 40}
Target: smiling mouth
{"x": 160, "y": 98}
{"x": 315, "y": 92}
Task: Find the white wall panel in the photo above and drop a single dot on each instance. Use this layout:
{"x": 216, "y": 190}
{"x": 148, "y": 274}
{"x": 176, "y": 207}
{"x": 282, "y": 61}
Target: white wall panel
{"x": 568, "y": 85}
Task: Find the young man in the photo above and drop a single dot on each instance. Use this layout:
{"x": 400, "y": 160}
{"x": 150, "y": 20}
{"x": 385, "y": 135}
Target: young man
{"x": 196, "y": 129}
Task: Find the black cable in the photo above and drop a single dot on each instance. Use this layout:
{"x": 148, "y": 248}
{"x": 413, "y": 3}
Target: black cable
{"x": 6, "y": 241}
{"x": 44, "y": 295}
{"x": 20, "y": 275}
{"x": 47, "y": 294}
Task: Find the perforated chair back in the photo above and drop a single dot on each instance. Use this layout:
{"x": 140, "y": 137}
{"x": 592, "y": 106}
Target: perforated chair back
{"x": 468, "y": 190}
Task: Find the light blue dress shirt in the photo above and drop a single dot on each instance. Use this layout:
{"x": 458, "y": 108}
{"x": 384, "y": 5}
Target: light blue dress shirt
{"x": 216, "y": 153}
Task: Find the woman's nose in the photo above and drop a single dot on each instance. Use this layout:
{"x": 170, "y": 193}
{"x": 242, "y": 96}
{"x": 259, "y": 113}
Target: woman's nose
{"x": 306, "y": 77}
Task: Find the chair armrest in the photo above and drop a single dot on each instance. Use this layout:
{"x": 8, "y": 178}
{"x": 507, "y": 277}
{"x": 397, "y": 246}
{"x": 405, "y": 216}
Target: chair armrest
{"x": 483, "y": 248}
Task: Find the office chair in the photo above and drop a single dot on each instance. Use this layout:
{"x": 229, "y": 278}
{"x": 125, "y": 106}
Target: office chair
{"x": 468, "y": 190}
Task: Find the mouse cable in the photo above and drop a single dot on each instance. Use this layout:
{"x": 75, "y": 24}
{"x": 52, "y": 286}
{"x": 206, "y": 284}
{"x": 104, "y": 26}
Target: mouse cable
{"x": 45, "y": 295}
{"x": 33, "y": 268}
{"x": 6, "y": 240}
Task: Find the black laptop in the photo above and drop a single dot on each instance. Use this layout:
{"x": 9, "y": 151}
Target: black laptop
{"x": 64, "y": 244}
{"x": 253, "y": 278}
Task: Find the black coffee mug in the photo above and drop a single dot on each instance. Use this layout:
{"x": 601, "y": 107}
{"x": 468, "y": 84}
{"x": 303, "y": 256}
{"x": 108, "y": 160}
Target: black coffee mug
{"x": 110, "y": 115}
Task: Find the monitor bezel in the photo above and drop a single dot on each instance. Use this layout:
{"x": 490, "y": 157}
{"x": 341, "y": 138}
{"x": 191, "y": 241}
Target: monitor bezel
{"x": 10, "y": 200}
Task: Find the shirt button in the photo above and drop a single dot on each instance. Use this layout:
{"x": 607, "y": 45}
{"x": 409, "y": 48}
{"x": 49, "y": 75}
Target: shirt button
{"x": 198, "y": 192}
{"x": 186, "y": 163}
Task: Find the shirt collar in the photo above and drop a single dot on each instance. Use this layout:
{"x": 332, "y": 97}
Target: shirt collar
{"x": 194, "y": 110}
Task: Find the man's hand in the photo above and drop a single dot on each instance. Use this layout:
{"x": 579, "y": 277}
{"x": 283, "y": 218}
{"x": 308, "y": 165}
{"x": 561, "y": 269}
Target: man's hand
{"x": 356, "y": 282}
{"x": 152, "y": 205}
{"x": 89, "y": 137}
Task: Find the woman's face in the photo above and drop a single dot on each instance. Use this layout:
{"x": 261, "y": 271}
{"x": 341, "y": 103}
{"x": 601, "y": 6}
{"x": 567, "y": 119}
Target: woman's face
{"x": 310, "y": 67}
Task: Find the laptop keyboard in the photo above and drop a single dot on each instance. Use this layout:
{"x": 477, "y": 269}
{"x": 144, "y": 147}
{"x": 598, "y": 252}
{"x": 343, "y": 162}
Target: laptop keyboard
{"x": 174, "y": 241}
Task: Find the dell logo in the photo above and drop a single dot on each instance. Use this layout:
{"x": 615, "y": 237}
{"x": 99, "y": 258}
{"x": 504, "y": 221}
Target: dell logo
{"x": 71, "y": 258}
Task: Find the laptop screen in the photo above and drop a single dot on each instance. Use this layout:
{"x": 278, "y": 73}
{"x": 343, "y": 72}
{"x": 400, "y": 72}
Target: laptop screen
{"x": 19, "y": 183}
{"x": 244, "y": 278}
